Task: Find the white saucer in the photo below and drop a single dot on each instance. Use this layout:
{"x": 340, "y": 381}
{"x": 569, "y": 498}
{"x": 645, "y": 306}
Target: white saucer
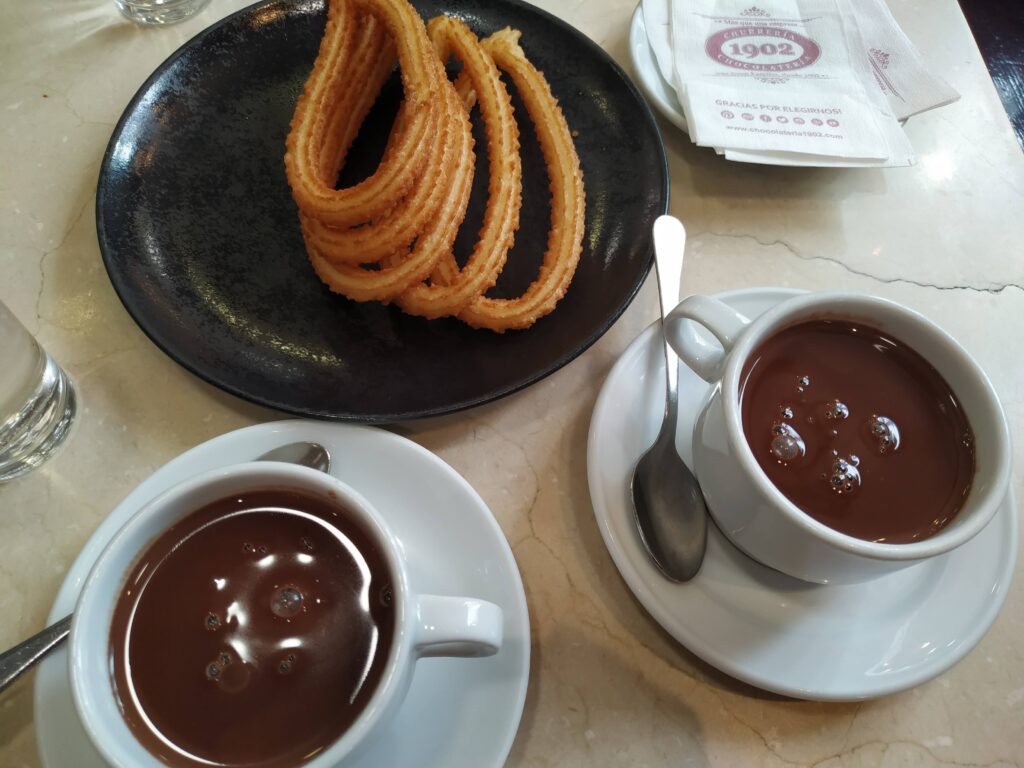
{"x": 648, "y": 74}
{"x": 459, "y": 712}
{"x": 833, "y": 643}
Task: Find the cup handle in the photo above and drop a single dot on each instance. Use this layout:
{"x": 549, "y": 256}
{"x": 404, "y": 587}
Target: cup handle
{"x": 457, "y": 626}
{"x": 724, "y": 322}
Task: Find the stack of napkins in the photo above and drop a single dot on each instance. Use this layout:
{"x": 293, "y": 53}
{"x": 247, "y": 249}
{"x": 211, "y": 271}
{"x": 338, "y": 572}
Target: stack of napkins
{"x": 794, "y": 82}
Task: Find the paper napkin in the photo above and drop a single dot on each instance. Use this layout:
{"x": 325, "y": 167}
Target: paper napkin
{"x": 793, "y": 82}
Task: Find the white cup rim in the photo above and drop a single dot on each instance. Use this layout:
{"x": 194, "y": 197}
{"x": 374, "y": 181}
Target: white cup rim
{"x": 93, "y": 702}
{"x": 793, "y": 310}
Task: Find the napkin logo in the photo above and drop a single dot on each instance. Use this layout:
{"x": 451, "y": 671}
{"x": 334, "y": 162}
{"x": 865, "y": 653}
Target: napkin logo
{"x": 761, "y": 49}
{"x": 879, "y": 63}
{"x": 755, "y": 11}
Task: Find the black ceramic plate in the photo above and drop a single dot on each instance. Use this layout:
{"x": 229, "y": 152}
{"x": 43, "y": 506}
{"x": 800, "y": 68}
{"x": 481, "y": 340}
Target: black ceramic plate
{"x": 201, "y": 240}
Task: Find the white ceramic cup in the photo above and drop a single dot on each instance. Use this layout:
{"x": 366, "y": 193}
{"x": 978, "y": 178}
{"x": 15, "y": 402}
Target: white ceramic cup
{"x": 426, "y": 625}
{"x": 750, "y": 510}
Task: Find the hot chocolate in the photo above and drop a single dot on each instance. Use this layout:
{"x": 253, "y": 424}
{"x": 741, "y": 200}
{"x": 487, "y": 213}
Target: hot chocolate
{"x": 857, "y": 430}
{"x": 253, "y": 632}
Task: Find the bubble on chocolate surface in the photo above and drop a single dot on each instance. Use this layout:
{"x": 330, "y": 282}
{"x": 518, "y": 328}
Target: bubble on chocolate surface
{"x": 212, "y": 671}
{"x": 284, "y": 667}
{"x": 307, "y": 543}
{"x": 224, "y": 658}
{"x": 786, "y": 411}
{"x": 786, "y": 445}
{"x": 212, "y": 621}
{"x": 247, "y": 547}
{"x": 885, "y": 432}
{"x": 803, "y": 382}
{"x": 844, "y": 478}
{"x": 262, "y": 549}
{"x": 286, "y": 602}
{"x": 233, "y": 678}
{"x": 385, "y": 595}
{"x": 837, "y": 411}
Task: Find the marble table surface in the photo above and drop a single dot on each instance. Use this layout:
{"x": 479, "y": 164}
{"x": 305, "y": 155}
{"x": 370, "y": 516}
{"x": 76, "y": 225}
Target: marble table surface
{"x": 608, "y": 687}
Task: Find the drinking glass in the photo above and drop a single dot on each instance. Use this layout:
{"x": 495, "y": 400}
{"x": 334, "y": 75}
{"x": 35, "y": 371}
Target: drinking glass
{"x": 159, "y": 11}
{"x": 37, "y": 400}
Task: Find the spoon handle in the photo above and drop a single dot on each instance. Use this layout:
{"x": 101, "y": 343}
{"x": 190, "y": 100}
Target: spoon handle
{"x": 24, "y": 655}
{"x": 668, "y": 264}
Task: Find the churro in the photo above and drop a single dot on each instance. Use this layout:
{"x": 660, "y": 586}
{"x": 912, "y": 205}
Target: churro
{"x": 390, "y": 237}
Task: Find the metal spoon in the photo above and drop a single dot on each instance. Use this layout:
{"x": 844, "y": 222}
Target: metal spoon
{"x": 307, "y": 454}
{"x": 667, "y": 500}
{"x": 25, "y": 655}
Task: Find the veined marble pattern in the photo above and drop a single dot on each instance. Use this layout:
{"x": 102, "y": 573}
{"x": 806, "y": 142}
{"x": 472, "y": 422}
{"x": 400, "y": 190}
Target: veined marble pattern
{"x": 608, "y": 687}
